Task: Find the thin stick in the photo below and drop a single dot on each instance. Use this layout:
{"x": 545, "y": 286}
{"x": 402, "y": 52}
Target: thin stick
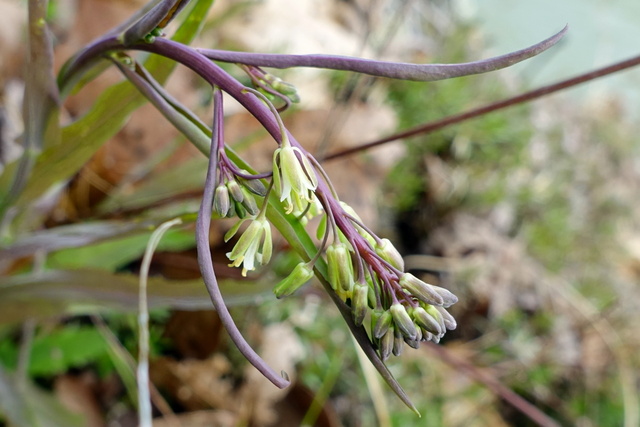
{"x": 499, "y": 389}
{"x": 525, "y": 97}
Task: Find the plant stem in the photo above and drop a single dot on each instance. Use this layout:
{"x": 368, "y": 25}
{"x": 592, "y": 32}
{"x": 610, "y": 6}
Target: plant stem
{"x": 206, "y": 263}
{"x": 499, "y": 105}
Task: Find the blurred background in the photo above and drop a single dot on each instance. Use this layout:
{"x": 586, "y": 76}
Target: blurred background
{"x": 529, "y": 215}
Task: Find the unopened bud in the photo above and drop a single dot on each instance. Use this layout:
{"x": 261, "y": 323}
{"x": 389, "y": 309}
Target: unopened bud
{"x": 380, "y": 323}
{"x": 421, "y": 290}
{"x": 403, "y": 321}
{"x": 221, "y": 202}
{"x": 286, "y": 89}
{"x": 448, "y": 298}
{"x": 412, "y": 343}
{"x": 426, "y": 321}
{"x": 364, "y": 233}
{"x": 340, "y": 269}
{"x": 249, "y": 202}
{"x": 386, "y": 345}
{"x": 254, "y": 185}
{"x": 235, "y": 190}
{"x": 427, "y": 336}
{"x": 398, "y": 344}
{"x": 448, "y": 319}
{"x": 360, "y": 303}
{"x": 300, "y": 275}
{"x": 241, "y": 212}
{"x": 389, "y": 253}
{"x": 232, "y": 210}
{"x": 433, "y": 312}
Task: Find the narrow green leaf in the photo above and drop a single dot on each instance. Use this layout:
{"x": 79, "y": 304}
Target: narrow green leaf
{"x": 116, "y": 253}
{"x": 57, "y": 292}
{"x": 73, "y": 236}
{"x": 41, "y": 126}
{"x": 81, "y": 139}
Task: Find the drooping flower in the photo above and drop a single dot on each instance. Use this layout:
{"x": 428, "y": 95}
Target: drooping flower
{"x": 294, "y": 178}
{"x": 253, "y": 247}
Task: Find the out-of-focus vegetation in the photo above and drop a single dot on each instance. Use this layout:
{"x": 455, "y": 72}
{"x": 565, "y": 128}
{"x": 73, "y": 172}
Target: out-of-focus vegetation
{"x": 528, "y": 214}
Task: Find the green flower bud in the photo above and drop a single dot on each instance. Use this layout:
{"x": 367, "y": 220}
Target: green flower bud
{"x": 380, "y": 323}
{"x": 386, "y": 344}
{"x": 412, "y": 343}
{"x": 447, "y": 318}
{"x": 426, "y": 321}
{"x": 427, "y": 336}
{"x": 433, "y": 312}
{"x": 241, "y": 212}
{"x": 235, "y": 190}
{"x": 232, "y": 210}
{"x": 402, "y": 321}
{"x": 221, "y": 202}
{"x": 340, "y": 268}
{"x": 364, "y": 233}
{"x": 419, "y": 335}
{"x": 360, "y": 303}
{"x": 300, "y": 275}
{"x": 398, "y": 344}
{"x": 254, "y": 185}
{"x": 249, "y": 202}
{"x": 448, "y": 297}
{"x": 389, "y": 253}
{"x": 421, "y": 290}
{"x": 286, "y": 89}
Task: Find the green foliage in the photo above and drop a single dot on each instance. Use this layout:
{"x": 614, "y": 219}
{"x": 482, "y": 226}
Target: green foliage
{"x": 58, "y": 351}
{"x": 111, "y": 255}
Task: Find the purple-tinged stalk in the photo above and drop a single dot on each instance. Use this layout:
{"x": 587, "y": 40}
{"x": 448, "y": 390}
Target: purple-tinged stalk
{"x": 394, "y": 70}
{"x": 153, "y": 22}
{"x": 204, "y": 254}
{"x": 362, "y": 272}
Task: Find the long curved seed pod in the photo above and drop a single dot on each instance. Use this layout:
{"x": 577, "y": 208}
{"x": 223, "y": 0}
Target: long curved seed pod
{"x": 394, "y": 70}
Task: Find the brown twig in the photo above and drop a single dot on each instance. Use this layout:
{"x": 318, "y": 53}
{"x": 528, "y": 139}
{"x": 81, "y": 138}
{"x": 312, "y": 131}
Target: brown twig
{"x": 495, "y": 386}
{"x": 480, "y": 111}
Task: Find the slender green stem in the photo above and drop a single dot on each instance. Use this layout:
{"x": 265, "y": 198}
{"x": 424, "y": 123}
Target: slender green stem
{"x": 144, "y": 396}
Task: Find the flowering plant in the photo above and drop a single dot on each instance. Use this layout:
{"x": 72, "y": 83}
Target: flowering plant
{"x": 384, "y": 306}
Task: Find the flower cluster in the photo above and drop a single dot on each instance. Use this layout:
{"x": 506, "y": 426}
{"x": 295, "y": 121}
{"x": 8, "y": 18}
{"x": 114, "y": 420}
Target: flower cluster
{"x": 365, "y": 271}
{"x": 236, "y": 192}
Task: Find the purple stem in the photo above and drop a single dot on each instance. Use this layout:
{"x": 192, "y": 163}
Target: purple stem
{"x": 394, "y": 70}
{"x": 206, "y": 263}
{"x": 215, "y": 76}
{"x": 158, "y": 16}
